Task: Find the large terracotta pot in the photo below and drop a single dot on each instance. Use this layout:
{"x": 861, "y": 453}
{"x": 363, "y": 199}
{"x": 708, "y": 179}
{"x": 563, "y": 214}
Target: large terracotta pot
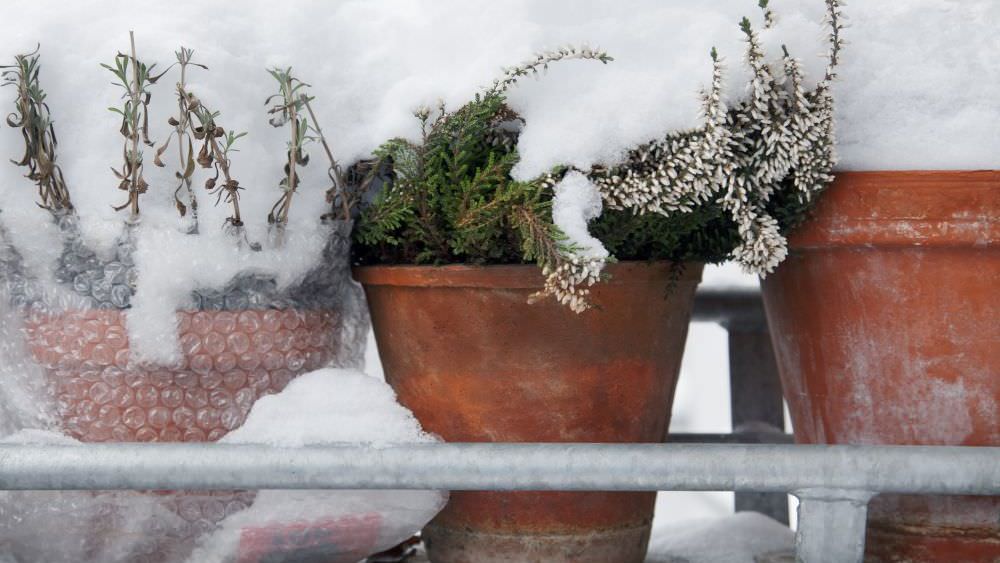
{"x": 476, "y": 362}
{"x": 886, "y": 325}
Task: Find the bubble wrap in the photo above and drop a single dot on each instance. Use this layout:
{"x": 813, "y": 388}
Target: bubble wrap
{"x": 65, "y": 359}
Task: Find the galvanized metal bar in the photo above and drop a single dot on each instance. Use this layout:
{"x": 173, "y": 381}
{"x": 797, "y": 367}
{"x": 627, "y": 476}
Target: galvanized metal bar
{"x": 831, "y": 525}
{"x": 737, "y": 437}
{"x": 729, "y": 305}
{"x": 756, "y": 402}
{"x": 482, "y": 466}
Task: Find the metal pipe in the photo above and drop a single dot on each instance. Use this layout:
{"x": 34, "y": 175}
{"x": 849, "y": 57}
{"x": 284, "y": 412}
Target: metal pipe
{"x": 483, "y": 466}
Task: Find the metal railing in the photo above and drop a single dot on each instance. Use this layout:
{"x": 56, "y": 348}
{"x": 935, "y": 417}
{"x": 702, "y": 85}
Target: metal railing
{"x": 832, "y": 483}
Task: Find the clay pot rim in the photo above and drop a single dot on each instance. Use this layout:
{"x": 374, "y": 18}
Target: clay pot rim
{"x": 512, "y": 276}
{"x": 904, "y": 209}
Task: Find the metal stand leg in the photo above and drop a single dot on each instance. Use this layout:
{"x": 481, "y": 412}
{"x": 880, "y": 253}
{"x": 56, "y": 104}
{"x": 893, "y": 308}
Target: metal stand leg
{"x": 831, "y": 526}
{"x": 756, "y": 402}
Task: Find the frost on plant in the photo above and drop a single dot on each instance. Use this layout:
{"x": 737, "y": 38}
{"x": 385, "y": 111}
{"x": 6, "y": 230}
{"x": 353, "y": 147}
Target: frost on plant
{"x": 762, "y": 160}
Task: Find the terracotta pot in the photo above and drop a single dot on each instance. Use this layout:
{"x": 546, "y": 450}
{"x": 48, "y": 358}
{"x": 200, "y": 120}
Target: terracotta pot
{"x": 886, "y": 324}
{"x": 476, "y": 362}
{"x": 230, "y": 359}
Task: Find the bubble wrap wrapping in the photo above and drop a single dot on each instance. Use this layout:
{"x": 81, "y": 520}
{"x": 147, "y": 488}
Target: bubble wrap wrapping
{"x": 65, "y": 360}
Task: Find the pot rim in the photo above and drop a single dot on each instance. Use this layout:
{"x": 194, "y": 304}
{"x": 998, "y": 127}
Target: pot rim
{"x": 904, "y": 209}
{"x": 512, "y": 276}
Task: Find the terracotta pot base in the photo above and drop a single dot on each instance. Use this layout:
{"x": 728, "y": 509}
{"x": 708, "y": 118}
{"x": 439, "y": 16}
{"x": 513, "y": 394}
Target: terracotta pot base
{"x": 451, "y": 545}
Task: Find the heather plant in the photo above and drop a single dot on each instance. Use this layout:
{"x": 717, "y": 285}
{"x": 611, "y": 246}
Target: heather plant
{"x": 729, "y": 189}
{"x": 761, "y": 161}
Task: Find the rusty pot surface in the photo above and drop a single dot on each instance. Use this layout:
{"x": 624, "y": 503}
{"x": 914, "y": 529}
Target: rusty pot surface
{"x": 885, "y": 325}
{"x": 476, "y": 362}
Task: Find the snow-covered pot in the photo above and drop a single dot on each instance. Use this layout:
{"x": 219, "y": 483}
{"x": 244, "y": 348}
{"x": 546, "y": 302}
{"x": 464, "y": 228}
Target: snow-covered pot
{"x": 476, "y": 362}
{"x": 885, "y": 325}
{"x": 237, "y": 344}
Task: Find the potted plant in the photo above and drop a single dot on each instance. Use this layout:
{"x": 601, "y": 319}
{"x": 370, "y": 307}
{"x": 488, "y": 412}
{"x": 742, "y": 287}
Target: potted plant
{"x": 193, "y": 375}
{"x": 556, "y": 309}
{"x": 884, "y": 325}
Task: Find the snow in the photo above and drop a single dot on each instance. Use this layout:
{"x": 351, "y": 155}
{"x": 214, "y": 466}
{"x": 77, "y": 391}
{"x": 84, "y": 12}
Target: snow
{"x": 919, "y": 86}
{"x": 330, "y": 406}
{"x": 327, "y": 407}
{"x": 917, "y": 89}
{"x": 577, "y": 202}
{"x": 745, "y": 537}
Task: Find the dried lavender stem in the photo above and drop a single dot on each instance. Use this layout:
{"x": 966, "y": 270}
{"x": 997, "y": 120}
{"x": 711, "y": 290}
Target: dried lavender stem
{"x": 134, "y": 188}
{"x": 338, "y": 177}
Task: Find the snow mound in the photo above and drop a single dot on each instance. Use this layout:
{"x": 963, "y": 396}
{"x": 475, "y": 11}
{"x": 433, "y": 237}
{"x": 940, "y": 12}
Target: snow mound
{"x": 744, "y": 537}
{"x": 330, "y": 406}
{"x": 325, "y": 407}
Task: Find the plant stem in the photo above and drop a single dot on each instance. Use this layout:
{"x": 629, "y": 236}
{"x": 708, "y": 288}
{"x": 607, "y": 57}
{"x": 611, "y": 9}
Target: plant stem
{"x": 134, "y": 191}
{"x": 337, "y": 173}
{"x": 292, "y": 155}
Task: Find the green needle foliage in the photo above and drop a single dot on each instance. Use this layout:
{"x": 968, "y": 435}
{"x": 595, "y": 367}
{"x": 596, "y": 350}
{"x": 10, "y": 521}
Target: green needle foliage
{"x": 452, "y": 198}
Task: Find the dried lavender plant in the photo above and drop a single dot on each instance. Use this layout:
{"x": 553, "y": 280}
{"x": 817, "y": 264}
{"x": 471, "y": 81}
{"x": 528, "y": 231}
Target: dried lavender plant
{"x": 288, "y": 110}
{"x": 134, "y": 77}
{"x": 31, "y": 116}
{"x": 196, "y": 122}
{"x": 358, "y": 177}
{"x": 218, "y": 145}
{"x": 185, "y": 143}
